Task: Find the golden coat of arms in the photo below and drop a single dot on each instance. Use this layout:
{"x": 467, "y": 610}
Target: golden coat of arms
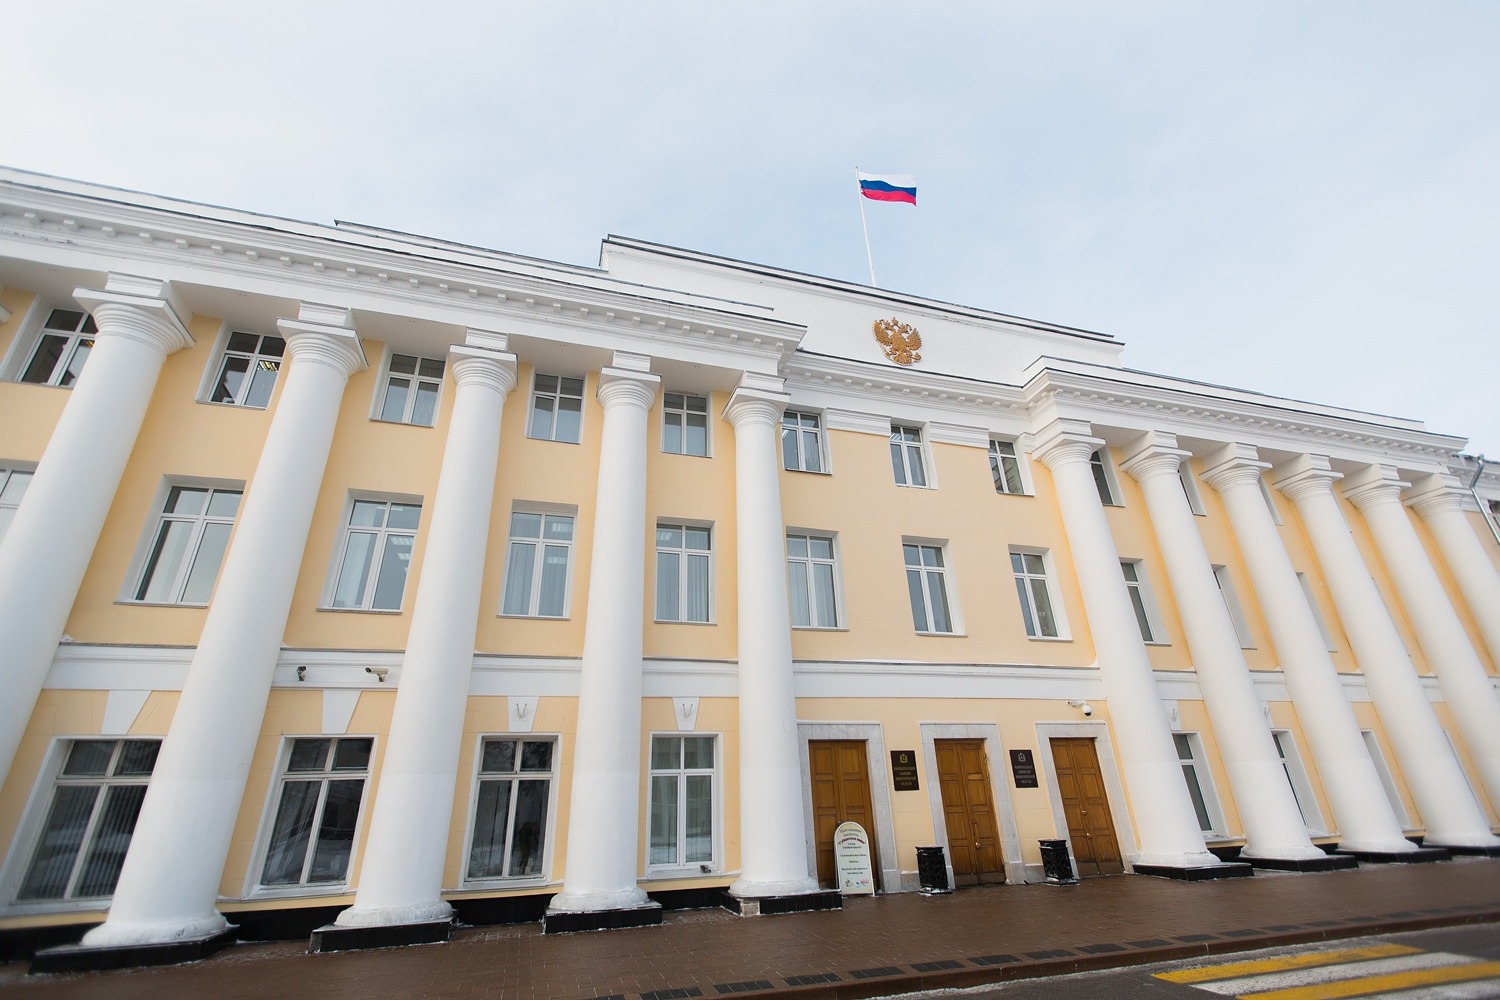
{"x": 900, "y": 341}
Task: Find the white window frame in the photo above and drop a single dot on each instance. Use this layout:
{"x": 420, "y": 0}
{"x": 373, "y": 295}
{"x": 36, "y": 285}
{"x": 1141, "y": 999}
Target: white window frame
{"x": 908, "y": 454}
{"x": 1190, "y": 488}
{"x": 516, "y": 776}
{"x": 683, "y": 868}
{"x": 15, "y": 480}
{"x": 417, "y": 380}
{"x": 382, "y": 532}
{"x": 1203, "y": 779}
{"x": 1232, "y": 604}
{"x": 685, "y": 413}
{"x": 33, "y": 825}
{"x": 999, "y": 461}
{"x": 805, "y": 565}
{"x": 62, "y": 376}
{"x": 926, "y": 573}
{"x": 1105, "y": 481}
{"x": 1317, "y": 612}
{"x": 258, "y": 887}
{"x": 800, "y": 431}
{"x": 556, "y": 395}
{"x": 256, "y": 358}
{"x": 1143, "y": 601}
{"x": 541, "y": 544}
{"x": 1296, "y": 775}
{"x": 684, "y": 554}
{"x": 1387, "y": 780}
{"x": 144, "y": 567}
{"x": 1026, "y": 577}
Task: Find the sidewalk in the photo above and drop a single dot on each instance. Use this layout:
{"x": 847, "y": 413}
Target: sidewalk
{"x": 874, "y": 947}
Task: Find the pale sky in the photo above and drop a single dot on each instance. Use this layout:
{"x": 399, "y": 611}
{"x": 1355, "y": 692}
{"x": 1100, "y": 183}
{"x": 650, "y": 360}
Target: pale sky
{"x": 1297, "y": 198}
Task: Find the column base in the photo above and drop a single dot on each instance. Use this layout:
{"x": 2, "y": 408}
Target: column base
{"x": 1474, "y": 850}
{"x": 334, "y": 937}
{"x": 102, "y": 958}
{"x": 1198, "y": 873}
{"x": 766, "y": 906}
{"x": 1416, "y": 856}
{"x": 570, "y": 921}
{"x": 1322, "y": 863}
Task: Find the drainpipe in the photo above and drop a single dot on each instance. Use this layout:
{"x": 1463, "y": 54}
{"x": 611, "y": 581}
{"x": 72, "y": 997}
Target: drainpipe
{"x": 1484, "y": 508}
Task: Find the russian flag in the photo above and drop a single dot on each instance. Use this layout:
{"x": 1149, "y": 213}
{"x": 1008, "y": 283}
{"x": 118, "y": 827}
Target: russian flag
{"x": 888, "y": 187}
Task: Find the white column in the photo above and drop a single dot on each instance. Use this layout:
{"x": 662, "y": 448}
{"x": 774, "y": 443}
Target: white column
{"x": 402, "y": 875}
{"x": 1449, "y": 811}
{"x": 1467, "y": 688}
{"x": 1166, "y": 825}
{"x": 1361, "y": 810}
{"x": 48, "y": 547}
{"x": 1439, "y": 500}
{"x": 171, "y": 874}
{"x": 1268, "y": 809}
{"x": 604, "y": 810}
{"x": 773, "y": 849}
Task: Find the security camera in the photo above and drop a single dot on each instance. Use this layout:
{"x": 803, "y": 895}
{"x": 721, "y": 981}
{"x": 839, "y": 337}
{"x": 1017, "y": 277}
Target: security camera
{"x": 1083, "y": 707}
{"x": 379, "y": 672}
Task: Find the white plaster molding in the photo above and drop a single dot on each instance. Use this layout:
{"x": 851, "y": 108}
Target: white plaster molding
{"x": 121, "y": 708}
{"x": 685, "y": 712}
{"x": 1114, "y": 789}
{"x": 877, "y": 765}
{"x": 959, "y": 434}
{"x": 1000, "y": 791}
{"x": 521, "y": 713}
{"x": 858, "y": 422}
{"x": 338, "y": 709}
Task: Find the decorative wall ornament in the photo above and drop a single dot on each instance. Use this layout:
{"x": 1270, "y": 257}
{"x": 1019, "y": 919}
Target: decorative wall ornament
{"x": 900, "y": 341}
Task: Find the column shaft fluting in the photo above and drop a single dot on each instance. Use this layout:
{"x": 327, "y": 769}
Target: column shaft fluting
{"x": 401, "y": 877}
{"x": 1166, "y": 825}
{"x": 1361, "y": 810}
{"x": 1450, "y": 813}
{"x": 1268, "y": 809}
{"x": 171, "y": 874}
{"x": 604, "y": 809}
{"x": 1441, "y": 506}
{"x": 47, "y": 549}
{"x": 773, "y": 853}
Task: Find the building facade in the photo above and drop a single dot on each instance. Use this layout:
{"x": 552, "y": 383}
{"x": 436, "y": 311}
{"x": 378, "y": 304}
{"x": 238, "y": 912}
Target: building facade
{"x": 351, "y": 579}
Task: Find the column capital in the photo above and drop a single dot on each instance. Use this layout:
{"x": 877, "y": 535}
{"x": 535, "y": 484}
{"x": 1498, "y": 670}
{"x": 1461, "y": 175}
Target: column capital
{"x": 1153, "y": 454}
{"x": 627, "y": 387}
{"x": 145, "y": 310}
{"x": 1305, "y": 476}
{"x": 1233, "y": 465}
{"x": 1063, "y": 442}
{"x": 324, "y": 335}
{"x": 1374, "y": 486}
{"x": 1436, "y": 494}
{"x": 480, "y": 367}
{"x": 750, "y": 405}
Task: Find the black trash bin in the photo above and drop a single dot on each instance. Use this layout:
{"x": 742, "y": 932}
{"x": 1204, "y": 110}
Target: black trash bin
{"x": 1057, "y": 866}
{"x": 932, "y": 870}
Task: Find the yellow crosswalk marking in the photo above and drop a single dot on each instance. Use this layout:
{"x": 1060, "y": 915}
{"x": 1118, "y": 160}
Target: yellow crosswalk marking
{"x": 1375, "y": 984}
{"x": 1307, "y": 960}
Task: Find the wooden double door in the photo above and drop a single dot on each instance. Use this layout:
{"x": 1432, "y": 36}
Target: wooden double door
{"x": 969, "y": 812}
{"x": 1080, "y": 783}
{"x": 840, "y": 776}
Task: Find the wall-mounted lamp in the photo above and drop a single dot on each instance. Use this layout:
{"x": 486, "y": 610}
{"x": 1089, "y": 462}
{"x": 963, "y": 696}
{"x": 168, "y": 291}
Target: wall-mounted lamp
{"x": 302, "y": 673}
{"x": 1083, "y": 707}
{"x": 379, "y": 672}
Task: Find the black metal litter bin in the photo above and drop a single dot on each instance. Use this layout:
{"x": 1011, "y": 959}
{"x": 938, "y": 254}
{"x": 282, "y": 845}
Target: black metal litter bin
{"x": 932, "y": 870}
{"x": 1056, "y": 865}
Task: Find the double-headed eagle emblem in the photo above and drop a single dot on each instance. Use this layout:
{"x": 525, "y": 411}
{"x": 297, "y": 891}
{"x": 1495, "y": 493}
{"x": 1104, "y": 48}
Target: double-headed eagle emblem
{"x": 900, "y": 341}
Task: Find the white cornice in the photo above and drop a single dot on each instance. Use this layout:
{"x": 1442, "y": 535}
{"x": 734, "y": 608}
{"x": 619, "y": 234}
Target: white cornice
{"x": 861, "y": 387}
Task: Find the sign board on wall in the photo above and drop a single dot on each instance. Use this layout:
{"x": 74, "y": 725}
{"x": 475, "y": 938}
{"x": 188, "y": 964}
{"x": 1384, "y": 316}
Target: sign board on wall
{"x": 851, "y": 853}
{"x": 904, "y": 770}
{"x": 1023, "y": 768}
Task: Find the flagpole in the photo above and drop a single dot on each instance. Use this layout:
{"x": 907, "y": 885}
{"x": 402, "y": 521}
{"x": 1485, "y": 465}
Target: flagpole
{"x": 859, "y": 192}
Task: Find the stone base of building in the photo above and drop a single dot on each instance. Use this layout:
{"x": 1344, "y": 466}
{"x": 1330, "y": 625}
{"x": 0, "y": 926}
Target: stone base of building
{"x": 82, "y": 958}
{"x": 1198, "y": 873}
{"x": 1476, "y": 851}
{"x": 766, "y": 906}
{"x": 1326, "y": 863}
{"x": 1421, "y": 855}
{"x": 567, "y": 922}
{"x": 332, "y": 937}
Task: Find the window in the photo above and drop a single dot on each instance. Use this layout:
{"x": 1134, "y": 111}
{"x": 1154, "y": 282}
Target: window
{"x": 684, "y": 428}
{"x": 1386, "y": 780}
{"x": 538, "y": 564}
{"x": 509, "y": 837}
{"x": 61, "y": 350}
{"x": 191, "y": 536}
{"x": 13, "y": 483}
{"x": 810, "y": 581}
{"x": 906, "y": 456}
{"x": 927, "y": 587}
{"x": 683, "y": 578}
{"x": 312, "y": 837}
{"x": 682, "y": 801}
{"x": 1205, "y": 804}
{"x": 1140, "y": 599}
{"x": 1104, "y": 479}
{"x": 1232, "y": 603}
{"x": 1030, "y": 570}
{"x": 556, "y": 409}
{"x": 1291, "y": 763}
{"x": 248, "y": 373}
{"x": 801, "y": 442}
{"x": 1190, "y": 488}
{"x": 411, "y": 390}
{"x": 1005, "y": 467}
{"x": 376, "y": 554}
{"x": 1307, "y": 592}
{"x": 95, "y": 801}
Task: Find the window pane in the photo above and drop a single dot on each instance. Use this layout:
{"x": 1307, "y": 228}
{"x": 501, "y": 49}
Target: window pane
{"x": 797, "y": 593}
{"x": 404, "y": 515}
{"x": 668, "y": 536}
{"x": 244, "y": 342}
{"x": 1044, "y": 619}
{"x": 823, "y": 603}
{"x": 697, "y": 434}
{"x": 696, "y": 538}
{"x": 552, "y": 598}
{"x": 291, "y": 832}
{"x": 1139, "y": 604}
{"x": 137, "y": 757}
{"x": 559, "y": 527}
{"x": 536, "y": 755}
{"x": 200, "y": 581}
{"x": 667, "y": 583}
{"x": 898, "y": 467}
{"x": 541, "y": 415}
{"x": 89, "y": 757}
{"x": 367, "y": 514}
{"x": 912, "y": 555}
{"x": 939, "y": 595}
{"x": 15, "y": 487}
{"x": 308, "y": 755}
{"x": 350, "y": 590}
{"x": 224, "y": 503}
{"x": 914, "y": 463}
{"x": 231, "y": 378}
{"x": 796, "y": 545}
{"x": 499, "y": 756}
{"x": 330, "y": 861}
{"x": 790, "y": 459}
{"x": 523, "y": 525}
{"x": 81, "y": 351}
{"x": 699, "y": 819}
{"x": 166, "y": 558}
{"x": 491, "y": 813}
{"x": 698, "y": 752}
{"x": 671, "y": 433}
{"x": 664, "y": 819}
{"x": 351, "y": 755}
{"x": 391, "y": 582}
{"x": 394, "y": 406}
{"x": 518, "y": 571}
{"x": 424, "y": 409}
{"x": 546, "y": 383}
{"x": 432, "y": 368}
{"x": 1026, "y": 615}
{"x": 44, "y": 362}
{"x": 666, "y": 751}
{"x": 571, "y": 386}
{"x": 64, "y": 319}
{"x": 1190, "y": 775}
{"x": 820, "y": 548}
{"x": 52, "y": 864}
{"x": 1034, "y": 564}
{"x": 101, "y": 869}
{"x": 530, "y": 828}
{"x": 569, "y": 419}
{"x": 262, "y": 381}
{"x": 403, "y": 364}
{"x": 697, "y": 588}
{"x": 918, "y": 605}
{"x": 812, "y": 455}
{"x": 186, "y": 500}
